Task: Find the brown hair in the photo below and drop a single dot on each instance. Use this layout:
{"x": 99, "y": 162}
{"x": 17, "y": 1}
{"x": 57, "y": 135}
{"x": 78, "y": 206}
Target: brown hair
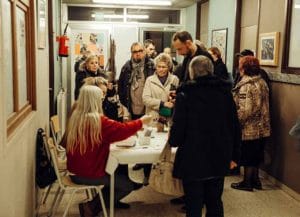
{"x": 215, "y": 51}
{"x": 250, "y": 65}
{"x": 182, "y": 36}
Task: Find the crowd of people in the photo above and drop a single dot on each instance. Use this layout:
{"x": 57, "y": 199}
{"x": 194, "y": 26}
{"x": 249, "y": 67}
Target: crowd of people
{"x": 216, "y": 123}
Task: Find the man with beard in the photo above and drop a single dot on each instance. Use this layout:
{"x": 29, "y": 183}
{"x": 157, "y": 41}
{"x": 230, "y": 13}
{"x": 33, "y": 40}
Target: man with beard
{"x": 184, "y": 45}
{"x": 132, "y": 80}
{"x": 150, "y": 49}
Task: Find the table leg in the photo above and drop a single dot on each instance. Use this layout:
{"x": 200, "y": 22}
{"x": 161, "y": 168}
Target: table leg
{"x": 112, "y": 195}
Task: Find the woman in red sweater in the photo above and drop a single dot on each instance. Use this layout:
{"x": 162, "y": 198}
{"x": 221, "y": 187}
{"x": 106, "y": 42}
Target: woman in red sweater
{"x": 88, "y": 137}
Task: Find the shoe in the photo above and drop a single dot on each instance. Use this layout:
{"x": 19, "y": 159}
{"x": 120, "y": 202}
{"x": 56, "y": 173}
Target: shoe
{"x": 137, "y": 186}
{"x": 257, "y": 185}
{"x": 234, "y": 172}
{"x": 95, "y": 205}
{"x": 137, "y": 167}
{"x": 177, "y": 201}
{"x": 182, "y": 209}
{"x": 121, "y": 205}
{"x": 85, "y": 210}
{"x": 242, "y": 186}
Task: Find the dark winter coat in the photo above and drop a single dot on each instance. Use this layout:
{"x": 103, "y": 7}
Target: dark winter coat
{"x": 220, "y": 69}
{"x": 81, "y": 75}
{"x": 205, "y": 129}
{"x": 183, "y": 74}
{"x": 124, "y": 82}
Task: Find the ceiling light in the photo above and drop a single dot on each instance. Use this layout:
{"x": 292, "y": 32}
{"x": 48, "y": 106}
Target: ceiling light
{"x": 135, "y": 2}
{"x": 131, "y": 16}
{"x": 297, "y": 6}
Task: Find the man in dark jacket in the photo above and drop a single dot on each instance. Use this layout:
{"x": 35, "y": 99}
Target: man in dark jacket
{"x": 184, "y": 45}
{"x": 132, "y": 80}
{"x": 206, "y": 131}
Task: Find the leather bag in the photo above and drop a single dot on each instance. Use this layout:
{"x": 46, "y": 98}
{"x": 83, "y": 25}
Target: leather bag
{"x": 161, "y": 178}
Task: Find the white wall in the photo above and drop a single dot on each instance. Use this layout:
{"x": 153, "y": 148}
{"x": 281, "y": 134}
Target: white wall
{"x": 17, "y": 155}
{"x": 190, "y": 20}
{"x": 222, "y": 15}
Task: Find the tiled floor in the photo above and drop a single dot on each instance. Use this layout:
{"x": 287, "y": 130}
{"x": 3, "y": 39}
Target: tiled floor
{"x": 270, "y": 202}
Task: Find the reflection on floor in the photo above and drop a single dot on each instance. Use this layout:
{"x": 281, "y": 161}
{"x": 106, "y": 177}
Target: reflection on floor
{"x": 270, "y": 202}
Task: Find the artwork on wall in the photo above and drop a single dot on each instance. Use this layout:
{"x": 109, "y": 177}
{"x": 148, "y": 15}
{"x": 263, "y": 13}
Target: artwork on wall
{"x": 95, "y": 43}
{"x": 268, "y": 48}
{"x": 219, "y": 40}
{"x": 41, "y": 23}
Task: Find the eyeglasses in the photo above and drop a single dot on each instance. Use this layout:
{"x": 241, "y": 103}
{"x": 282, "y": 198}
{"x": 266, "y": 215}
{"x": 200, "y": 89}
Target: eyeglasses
{"x": 137, "y": 51}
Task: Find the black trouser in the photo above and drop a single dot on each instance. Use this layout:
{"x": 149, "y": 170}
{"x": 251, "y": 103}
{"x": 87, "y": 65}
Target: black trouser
{"x": 204, "y": 192}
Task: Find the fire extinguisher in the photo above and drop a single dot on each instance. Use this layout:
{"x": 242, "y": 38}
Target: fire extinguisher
{"x": 63, "y": 44}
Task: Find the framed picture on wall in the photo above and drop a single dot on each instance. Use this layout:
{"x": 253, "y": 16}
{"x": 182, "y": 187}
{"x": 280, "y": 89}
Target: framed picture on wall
{"x": 41, "y": 23}
{"x": 268, "y": 48}
{"x": 219, "y": 40}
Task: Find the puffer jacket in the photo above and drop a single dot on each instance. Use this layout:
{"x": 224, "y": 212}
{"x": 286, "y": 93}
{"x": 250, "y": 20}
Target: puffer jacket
{"x": 251, "y": 96}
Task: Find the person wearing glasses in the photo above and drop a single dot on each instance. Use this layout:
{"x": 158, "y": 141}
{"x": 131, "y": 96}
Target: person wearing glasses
{"x": 132, "y": 80}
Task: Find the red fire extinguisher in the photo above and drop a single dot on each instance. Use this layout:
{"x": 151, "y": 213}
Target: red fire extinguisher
{"x": 63, "y": 44}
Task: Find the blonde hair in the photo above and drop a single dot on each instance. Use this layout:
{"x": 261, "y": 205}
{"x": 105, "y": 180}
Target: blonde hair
{"x": 83, "y": 65}
{"x": 97, "y": 81}
{"x": 84, "y": 126}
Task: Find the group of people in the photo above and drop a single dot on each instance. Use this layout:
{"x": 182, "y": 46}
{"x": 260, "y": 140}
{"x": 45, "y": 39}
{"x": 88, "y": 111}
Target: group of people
{"x": 216, "y": 124}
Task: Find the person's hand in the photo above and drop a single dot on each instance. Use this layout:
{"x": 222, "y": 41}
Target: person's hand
{"x": 110, "y": 86}
{"x": 233, "y": 164}
{"x": 146, "y": 119}
{"x": 168, "y": 104}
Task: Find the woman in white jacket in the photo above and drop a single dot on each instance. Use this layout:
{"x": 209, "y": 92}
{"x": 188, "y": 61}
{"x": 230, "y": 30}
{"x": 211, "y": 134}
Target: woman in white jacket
{"x": 157, "y": 98}
{"x": 158, "y": 88}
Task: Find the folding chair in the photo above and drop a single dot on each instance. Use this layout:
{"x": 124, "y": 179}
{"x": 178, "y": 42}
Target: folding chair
{"x": 66, "y": 184}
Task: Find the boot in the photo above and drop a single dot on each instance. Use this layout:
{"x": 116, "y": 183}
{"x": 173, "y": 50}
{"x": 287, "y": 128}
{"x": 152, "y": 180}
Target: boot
{"x": 256, "y": 183}
{"x": 95, "y": 204}
{"x": 85, "y": 210}
{"x": 246, "y": 184}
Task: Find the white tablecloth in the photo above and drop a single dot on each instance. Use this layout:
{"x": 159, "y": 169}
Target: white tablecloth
{"x": 136, "y": 154}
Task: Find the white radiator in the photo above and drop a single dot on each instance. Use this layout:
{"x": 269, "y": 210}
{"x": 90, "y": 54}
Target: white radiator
{"x": 62, "y": 109}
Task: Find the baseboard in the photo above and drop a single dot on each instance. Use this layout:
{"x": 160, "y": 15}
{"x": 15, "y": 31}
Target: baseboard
{"x": 282, "y": 186}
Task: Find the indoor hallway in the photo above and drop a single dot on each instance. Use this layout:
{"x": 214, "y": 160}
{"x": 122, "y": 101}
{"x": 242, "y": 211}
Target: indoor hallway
{"x": 270, "y": 202}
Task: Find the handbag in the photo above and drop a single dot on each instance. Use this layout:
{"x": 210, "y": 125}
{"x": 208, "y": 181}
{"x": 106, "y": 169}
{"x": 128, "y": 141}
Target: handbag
{"x": 161, "y": 178}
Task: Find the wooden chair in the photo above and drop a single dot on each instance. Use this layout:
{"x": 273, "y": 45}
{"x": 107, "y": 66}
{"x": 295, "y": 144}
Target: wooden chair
{"x": 66, "y": 184}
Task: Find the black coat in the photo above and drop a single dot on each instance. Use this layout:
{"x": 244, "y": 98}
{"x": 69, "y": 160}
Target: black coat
{"x": 81, "y": 75}
{"x": 183, "y": 74}
{"x": 124, "y": 82}
{"x": 205, "y": 129}
{"x": 220, "y": 70}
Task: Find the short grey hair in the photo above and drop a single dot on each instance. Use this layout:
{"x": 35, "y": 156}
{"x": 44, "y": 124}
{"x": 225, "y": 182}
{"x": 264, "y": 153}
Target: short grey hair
{"x": 200, "y": 66}
{"x": 163, "y": 57}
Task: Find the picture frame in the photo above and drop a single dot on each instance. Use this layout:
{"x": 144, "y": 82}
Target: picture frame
{"x": 219, "y": 40}
{"x": 41, "y": 23}
{"x": 268, "y": 48}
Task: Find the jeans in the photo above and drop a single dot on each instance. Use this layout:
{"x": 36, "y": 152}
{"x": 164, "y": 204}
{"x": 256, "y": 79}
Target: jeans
{"x": 123, "y": 185}
{"x": 206, "y": 192}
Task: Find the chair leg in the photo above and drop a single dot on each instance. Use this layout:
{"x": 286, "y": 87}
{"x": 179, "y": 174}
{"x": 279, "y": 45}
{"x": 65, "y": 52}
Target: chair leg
{"x": 46, "y": 194}
{"x": 58, "y": 201}
{"x": 102, "y": 203}
{"x": 50, "y": 212}
{"x": 69, "y": 203}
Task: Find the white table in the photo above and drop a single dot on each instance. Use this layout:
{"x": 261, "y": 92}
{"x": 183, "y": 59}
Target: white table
{"x": 133, "y": 155}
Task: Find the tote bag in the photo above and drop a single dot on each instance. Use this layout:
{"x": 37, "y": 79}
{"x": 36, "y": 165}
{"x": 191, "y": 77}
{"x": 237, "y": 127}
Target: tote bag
{"x": 161, "y": 178}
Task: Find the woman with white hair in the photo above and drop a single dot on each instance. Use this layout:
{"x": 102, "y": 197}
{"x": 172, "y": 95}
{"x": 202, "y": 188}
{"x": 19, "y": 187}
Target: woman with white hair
{"x": 88, "y": 137}
{"x": 205, "y": 131}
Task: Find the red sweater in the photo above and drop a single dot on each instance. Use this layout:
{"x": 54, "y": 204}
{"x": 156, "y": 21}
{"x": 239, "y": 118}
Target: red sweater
{"x": 92, "y": 164}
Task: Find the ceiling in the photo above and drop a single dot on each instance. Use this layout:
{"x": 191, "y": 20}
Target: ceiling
{"x": 175, "y": 3}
